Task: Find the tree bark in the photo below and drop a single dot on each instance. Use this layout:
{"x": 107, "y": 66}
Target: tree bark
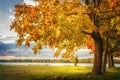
{"x": 104, "y": 60}
{"x": 97, "y": 64}
{"x": 87, "y": 2}
{"x": 110, "y": 60}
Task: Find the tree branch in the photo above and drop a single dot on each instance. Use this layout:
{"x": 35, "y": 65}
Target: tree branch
{"x": 109, "y": 11}
{"x": 86, "y": 32}
{"x": 107, "y": 18}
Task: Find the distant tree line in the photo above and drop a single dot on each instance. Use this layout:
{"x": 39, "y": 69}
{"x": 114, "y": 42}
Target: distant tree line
{"x": 88, "y": 60}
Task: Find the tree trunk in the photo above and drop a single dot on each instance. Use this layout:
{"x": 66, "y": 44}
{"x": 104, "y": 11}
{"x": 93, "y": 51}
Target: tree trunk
{"x": 104, "y": 61}
{"x": 97, "y": 64}
{"x": 110, "y": 60}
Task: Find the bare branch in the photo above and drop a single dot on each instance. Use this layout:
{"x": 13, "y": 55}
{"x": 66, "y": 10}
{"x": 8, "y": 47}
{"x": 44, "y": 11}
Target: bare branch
{"x": 86, "y": 32}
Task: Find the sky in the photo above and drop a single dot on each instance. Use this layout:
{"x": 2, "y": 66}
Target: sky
{"x": 8, "y": 48}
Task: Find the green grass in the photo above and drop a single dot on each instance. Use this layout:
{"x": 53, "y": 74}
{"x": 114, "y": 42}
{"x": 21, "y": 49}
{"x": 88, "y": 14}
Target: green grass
{"x": 33, "y": 72}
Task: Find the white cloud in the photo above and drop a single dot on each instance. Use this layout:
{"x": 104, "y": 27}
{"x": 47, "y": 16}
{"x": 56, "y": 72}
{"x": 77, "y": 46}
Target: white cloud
{"x": 7, "y": 57}
{"x": 8, "y": 38}
{"x": 30, "y": 2}
{"x": 2, "y": 24}
{"x": 2, "y": 37}
{"x": 11, "y": 17}
{"x": 10, "y": 10}
{"x": 5, "y": 22}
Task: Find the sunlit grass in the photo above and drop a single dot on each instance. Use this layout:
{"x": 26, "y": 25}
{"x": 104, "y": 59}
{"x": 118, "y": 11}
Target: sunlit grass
{"x": 33, "y": 72}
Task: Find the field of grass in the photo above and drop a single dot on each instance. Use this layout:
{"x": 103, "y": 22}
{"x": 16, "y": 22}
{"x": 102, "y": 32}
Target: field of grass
{"x": 34, "y": 72}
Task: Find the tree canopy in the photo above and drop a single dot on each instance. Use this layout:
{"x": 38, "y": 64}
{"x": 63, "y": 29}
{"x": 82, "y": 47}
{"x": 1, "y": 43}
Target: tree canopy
{"x": 54, "y": 23}
{"x": 61, "y": 24}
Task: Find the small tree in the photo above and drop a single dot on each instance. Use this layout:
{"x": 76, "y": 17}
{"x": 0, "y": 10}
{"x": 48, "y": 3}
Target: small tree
{"x": 76, "y": 60}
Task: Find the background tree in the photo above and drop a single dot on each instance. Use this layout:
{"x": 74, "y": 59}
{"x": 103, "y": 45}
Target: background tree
{"x": 75, "y": 60}
{"x": 110, "y": 30}
{"x": 109, "y": 35}
{"x": 114, "y": 47}
{"x": 115, "y": 32}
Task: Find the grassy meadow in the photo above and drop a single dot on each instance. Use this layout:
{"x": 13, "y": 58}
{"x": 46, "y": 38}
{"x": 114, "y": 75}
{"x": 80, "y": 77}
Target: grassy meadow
{"x": 36, "y": 72}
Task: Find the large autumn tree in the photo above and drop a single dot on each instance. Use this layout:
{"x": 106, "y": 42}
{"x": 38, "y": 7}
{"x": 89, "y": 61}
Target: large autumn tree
{"x": 63, "y": 24}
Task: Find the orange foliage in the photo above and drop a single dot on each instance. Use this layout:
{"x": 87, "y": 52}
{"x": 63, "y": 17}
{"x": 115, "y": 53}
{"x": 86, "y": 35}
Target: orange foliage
{"x": 114, "y": 4}
{"x": 90, "y": 43}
